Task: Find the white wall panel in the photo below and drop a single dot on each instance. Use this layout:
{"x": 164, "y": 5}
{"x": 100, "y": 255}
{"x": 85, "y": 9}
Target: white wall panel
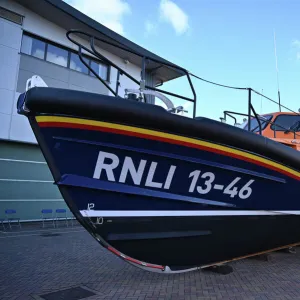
{"x": 8, "y": 56}
{"x": 14, "y": 108}
{"x": 8, "y": 76}
{"x": 20, "y": 130}
{"x": 4, "y": 125}
{"x": 10, "y": 41}
{"x": 77, "y": 88}
{"x": 125, "y": 82}
{"x": 6, "y": 101}
{"x": 10, "y": 34}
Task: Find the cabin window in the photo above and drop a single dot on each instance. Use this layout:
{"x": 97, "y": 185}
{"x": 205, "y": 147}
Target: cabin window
{"x": 284, "y": 122}
{"x": 264, "y": 121}
{"x": 59, "y": 55}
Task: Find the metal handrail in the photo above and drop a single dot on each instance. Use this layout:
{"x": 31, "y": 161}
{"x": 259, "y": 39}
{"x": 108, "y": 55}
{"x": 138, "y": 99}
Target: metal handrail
{"x": 96, "y": 53}
{"x": 92, "y": 50}
{"x": 229, "y": 113}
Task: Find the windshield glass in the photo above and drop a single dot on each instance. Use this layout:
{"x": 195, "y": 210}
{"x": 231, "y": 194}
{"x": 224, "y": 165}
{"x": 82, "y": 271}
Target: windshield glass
{"x": 254, "y": 123}
{"x": 285, "y": 122}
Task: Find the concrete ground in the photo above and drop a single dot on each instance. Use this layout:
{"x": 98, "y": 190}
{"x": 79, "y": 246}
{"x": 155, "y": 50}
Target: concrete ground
{"x": 36, "y": 261}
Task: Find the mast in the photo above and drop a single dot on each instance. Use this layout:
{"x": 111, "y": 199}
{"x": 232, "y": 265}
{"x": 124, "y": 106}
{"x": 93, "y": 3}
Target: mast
{"x": 261, "y": 104}
{"x": 277, "y": 72}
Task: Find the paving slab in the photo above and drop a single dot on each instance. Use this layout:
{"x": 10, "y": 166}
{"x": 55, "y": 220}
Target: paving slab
{"x": 35, "y": 261}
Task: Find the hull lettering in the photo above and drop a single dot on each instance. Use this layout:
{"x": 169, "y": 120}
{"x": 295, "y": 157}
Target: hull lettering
{"x": 160, "y": 175}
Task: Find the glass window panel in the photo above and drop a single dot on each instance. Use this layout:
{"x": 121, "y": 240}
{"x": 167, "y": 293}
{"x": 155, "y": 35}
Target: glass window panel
{"x": 284, "y": 122}
{"x": 100, "y": 69}
{"x": 26, "y": 45}
{"x": 77, "y": 65}
{"x": 254, "y": 125}
{"x": 38, "y": 49}
{"x": 57, "y": 55}
{"x": 32, "y": 46}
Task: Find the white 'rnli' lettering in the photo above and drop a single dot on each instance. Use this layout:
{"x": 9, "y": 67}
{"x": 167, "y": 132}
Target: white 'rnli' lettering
{"x": 108, "y": 162}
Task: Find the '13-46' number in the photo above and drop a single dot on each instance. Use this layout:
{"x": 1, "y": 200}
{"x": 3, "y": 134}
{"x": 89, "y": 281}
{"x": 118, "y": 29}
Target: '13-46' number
{"x": 209, "y": 178}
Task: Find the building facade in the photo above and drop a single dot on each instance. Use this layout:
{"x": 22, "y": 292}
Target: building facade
{"x": 33, "y": 42}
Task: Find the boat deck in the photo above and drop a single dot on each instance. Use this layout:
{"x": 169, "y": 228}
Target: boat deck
{"x": 36, "y": 261}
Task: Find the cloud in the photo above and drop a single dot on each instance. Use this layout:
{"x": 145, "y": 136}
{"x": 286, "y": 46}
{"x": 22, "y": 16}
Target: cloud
{"x": 296, "y": 46}
{"x": 108, "y": 13}
{"x": 39, "y": 53}
{"x": 188, "y": 105}
{"x": 296, "y": 43}
{"x": 150, "y": 27}
{"x": 173, "y": 14}
{"x": 57, "y": 59}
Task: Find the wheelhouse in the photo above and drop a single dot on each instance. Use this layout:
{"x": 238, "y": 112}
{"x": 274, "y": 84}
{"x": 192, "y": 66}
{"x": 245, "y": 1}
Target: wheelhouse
{"x": 283, "y": 127}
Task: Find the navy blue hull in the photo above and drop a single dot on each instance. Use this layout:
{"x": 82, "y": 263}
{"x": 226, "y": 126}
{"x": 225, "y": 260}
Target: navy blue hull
{"x": 170, "y": 223}
{"x": 185, "y": 242}
{"x": 76, "y": 152}
{"x": 161, "y": 190}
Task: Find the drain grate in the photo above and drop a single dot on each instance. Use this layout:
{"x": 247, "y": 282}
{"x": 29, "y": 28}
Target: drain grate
{"x": 50, "y": 234}
{"x": 75, "y": 293}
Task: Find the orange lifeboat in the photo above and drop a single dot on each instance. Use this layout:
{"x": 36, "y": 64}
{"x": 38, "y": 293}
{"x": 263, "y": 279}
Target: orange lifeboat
{"x": 282, "y": 127}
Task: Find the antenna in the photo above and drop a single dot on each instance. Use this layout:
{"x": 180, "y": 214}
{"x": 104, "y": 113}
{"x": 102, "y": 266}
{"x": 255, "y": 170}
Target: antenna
{"x": 277, "y": 72}
{"x": 262, "y": 91}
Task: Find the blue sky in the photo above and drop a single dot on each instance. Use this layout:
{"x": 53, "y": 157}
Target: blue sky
{"x": 227, "y": 41}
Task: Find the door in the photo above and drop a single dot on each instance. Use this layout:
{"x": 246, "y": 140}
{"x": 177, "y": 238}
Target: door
{"x": 26, "y": 183}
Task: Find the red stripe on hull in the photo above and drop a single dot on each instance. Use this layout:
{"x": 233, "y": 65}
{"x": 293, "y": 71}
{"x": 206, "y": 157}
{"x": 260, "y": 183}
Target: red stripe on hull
{"x": 166, "y": 140}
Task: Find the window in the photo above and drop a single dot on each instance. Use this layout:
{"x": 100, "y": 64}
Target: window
{"x": 77, "y": 65}
{"x": 100, "y": 69}
{"x": 284, "y": 122}
{"x": 33, "y": 47}
{"x": 255, "y": 125}
{"x": 63, "y": 57}
{"x": 57, "y": 55}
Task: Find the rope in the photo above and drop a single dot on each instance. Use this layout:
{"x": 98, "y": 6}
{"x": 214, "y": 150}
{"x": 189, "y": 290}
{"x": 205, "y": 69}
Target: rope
{"x": 258, "y": 93}
{"x": 241, "y": 88}
{"x": 218, "y": 84}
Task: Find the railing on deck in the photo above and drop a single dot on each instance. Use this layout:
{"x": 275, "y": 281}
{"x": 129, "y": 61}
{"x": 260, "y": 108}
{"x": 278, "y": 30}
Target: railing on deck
{"x": 142, "y": 83}
{"x": 145, "y": 59}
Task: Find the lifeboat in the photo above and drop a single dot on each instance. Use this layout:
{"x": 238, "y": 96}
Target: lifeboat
{"x": 162, "y": 191}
